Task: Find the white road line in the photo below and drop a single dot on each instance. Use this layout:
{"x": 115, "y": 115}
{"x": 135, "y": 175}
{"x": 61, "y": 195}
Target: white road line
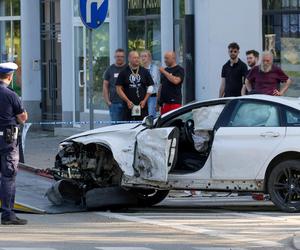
{"x": 26, "y": 248}
{"x": 193, "y": 229}
{"x": 123, "y": 248}
{"x": 218, "y": 248}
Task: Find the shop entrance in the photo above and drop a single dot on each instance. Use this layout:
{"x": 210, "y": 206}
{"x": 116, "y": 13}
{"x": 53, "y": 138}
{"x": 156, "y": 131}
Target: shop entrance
{"x": 51, "y": 60}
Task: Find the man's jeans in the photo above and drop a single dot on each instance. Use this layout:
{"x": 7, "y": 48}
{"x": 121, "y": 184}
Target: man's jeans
{"x": 116, "y": 111}
{"x": 152, "y": 106}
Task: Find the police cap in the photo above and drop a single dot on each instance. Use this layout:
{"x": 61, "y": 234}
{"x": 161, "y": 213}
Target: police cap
{"x": 8, "y": 67}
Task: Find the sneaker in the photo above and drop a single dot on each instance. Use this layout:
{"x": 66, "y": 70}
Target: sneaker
{"x": 16, "y": 221}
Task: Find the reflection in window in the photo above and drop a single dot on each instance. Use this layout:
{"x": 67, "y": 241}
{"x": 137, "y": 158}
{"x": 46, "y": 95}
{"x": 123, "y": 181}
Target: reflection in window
{"x": 10, "y": 37}
{"x": 101, "y": 62}
{"x": 179, "y": 11}
{"x": 143, "y": 20}
{"x": 281, "y": 20}
{"x": 255, "y": 115}
{"x": 293, "y": 118}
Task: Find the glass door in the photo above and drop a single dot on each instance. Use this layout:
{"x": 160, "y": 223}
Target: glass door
{"x": 51, "y": 60}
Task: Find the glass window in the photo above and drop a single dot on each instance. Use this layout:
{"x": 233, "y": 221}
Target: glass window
{"x": 10, "y": 38}
{"x": 143, "y": 21}
{"x": 179, "y": 12}
{"x": 293, "y": 118}
{"x": 10, "y": 8}
{"x": 281, "y": 20}
{"x": 143, "y": 7}
{"x": 255, "y": 115}
{"x": 101, "y": 62}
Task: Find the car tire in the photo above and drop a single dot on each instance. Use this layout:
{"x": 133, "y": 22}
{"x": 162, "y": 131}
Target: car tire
{"x": 150, "y": 197}
{"x": 108, "y": 197}
{"x": 284, "y": 186}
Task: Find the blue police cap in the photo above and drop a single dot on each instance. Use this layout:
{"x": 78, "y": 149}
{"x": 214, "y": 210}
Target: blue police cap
{"x": 8, "y": 67}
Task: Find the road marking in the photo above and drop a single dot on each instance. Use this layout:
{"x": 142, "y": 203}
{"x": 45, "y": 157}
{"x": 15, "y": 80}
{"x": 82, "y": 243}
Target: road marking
{"x": 26, "y": 248}
{"x": 218, "y": 248}
{"x": 123, "y": 248}
{"x": 192, "y": 229}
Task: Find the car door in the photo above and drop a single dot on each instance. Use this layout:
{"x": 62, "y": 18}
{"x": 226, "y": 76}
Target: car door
{"x": 243, "y": 143}
{"x": 156, "y": 153}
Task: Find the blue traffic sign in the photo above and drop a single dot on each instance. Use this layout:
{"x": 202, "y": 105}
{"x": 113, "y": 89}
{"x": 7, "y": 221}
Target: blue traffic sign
{"x": 93, "y": 12}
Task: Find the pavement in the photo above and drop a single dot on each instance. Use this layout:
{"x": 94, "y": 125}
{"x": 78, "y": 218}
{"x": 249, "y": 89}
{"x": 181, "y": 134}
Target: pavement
{"x": 41, "y": 148}
{"x": 176, "y": 224}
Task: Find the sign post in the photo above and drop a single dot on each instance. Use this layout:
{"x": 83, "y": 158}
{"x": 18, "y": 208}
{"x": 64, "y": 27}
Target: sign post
{"x": 93, "y": 14}
{"x": 91, "y": 79}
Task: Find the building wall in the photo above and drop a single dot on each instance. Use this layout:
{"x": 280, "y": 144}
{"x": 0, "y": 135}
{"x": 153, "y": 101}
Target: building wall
{"x": 217, "y": 23}
{"x": 31, "y": 56}
{"x": 67, "y": 61}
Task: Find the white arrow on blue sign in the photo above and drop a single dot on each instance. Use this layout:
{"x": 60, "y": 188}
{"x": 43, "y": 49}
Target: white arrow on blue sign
{"x": 93, "y": 12}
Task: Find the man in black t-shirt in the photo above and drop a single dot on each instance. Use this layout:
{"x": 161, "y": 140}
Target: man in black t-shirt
{"x": 234, "y": 73}
{"x": 135, "y": 86}
{"x": 112, "y": 99}
{"x": 172, "y": 77}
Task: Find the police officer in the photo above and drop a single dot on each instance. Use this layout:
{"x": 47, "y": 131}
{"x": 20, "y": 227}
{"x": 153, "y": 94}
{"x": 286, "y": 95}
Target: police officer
{"x": 12, "y": 113}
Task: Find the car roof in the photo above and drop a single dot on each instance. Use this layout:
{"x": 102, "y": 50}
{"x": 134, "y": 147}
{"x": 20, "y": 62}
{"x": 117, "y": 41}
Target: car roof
{"x": 288, "y": 101}
{"x": 292, "y": 102}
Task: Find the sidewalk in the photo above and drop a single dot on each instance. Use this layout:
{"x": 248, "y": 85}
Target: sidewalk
{"x": 41, "y": 148}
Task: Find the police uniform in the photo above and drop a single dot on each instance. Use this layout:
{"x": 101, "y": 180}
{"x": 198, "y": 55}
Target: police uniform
{"x": 10, "y": 107}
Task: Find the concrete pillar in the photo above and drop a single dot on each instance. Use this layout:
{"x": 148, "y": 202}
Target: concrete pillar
{"x": 31, "y": 58}
{"x": 67, "y": 61}
{"x": 117, "y": 26}
{"x": 217, "y": 23}
{"x": 167, "y": 24}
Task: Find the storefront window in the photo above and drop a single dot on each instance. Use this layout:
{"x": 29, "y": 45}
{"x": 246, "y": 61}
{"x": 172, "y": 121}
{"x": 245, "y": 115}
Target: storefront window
{"x": 143, "y": 21}
{"x": 10, "y": 37}
{"x": 179, "y": 10}
{"x": 281, "y": 20}
{"x": 81, "y": 63}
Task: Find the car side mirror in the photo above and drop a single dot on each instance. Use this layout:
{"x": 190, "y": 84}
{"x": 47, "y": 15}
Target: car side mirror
{"x": 148, "y": 121}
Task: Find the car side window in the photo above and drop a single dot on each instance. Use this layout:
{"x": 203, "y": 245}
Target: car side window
{"x": 252, "y": 114}
{"x": 293, "y": 118}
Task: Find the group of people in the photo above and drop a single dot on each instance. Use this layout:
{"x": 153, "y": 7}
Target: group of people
{"x": 261, "y": 78}
{"x": 140, "y": 88}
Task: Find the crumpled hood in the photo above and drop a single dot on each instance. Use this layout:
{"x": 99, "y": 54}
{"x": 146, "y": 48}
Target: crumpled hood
{"x": 115, "y": 128}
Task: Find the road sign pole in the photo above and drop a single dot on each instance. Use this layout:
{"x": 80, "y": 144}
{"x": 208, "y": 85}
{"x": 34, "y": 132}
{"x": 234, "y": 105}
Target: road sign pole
{"x": 91, "y": 80}
{"x": 93, "y": 14}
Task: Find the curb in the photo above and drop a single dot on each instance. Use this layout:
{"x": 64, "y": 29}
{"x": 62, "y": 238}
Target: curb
{"x": 44, "y": 173}
{"x": 296, "y": 241}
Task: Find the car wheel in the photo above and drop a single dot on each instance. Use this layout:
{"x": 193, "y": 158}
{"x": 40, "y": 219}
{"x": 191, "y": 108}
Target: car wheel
{"x": 150, "y": 197}
{"x": 284, "y": 186}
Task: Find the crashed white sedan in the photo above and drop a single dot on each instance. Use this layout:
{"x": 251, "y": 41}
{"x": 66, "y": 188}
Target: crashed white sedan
{"x": 240, "y": 144}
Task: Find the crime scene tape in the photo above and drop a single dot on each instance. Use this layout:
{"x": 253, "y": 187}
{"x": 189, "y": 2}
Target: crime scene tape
{"x": 83, "y": 123}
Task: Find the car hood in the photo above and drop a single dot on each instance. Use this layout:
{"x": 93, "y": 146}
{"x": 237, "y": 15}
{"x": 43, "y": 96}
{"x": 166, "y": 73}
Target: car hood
{"x": 98, "y": 131}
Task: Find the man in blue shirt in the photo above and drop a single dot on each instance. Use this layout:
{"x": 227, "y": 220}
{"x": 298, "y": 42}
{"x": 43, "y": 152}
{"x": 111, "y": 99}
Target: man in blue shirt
{"x": 12, "y": 113}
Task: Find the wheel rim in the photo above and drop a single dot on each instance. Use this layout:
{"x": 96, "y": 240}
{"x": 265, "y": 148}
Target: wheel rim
{"x": 144, "y": 194}
{"x": 287, "y": 187}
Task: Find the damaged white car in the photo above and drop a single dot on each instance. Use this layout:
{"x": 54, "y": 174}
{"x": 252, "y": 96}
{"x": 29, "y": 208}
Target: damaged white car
{"x": 238, "y": 144}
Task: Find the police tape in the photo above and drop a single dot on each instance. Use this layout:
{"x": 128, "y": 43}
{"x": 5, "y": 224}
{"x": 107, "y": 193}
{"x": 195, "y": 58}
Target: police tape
{"x": 84, "y": 123}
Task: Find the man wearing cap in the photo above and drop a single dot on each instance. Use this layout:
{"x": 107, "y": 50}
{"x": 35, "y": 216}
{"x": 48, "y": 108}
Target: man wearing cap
{"x": 12, "y": 113}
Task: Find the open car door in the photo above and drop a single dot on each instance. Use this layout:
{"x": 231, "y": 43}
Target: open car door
{"x": 156, "y": 153}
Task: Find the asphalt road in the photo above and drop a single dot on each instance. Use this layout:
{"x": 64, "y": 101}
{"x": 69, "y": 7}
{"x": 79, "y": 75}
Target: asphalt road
{"x": 176, "y": 224}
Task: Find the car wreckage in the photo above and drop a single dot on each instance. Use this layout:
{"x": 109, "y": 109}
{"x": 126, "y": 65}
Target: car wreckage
{"x": 239, "y": 144}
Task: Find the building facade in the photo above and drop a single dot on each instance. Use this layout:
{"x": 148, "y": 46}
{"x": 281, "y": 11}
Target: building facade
{"x": 49, "y": 42}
